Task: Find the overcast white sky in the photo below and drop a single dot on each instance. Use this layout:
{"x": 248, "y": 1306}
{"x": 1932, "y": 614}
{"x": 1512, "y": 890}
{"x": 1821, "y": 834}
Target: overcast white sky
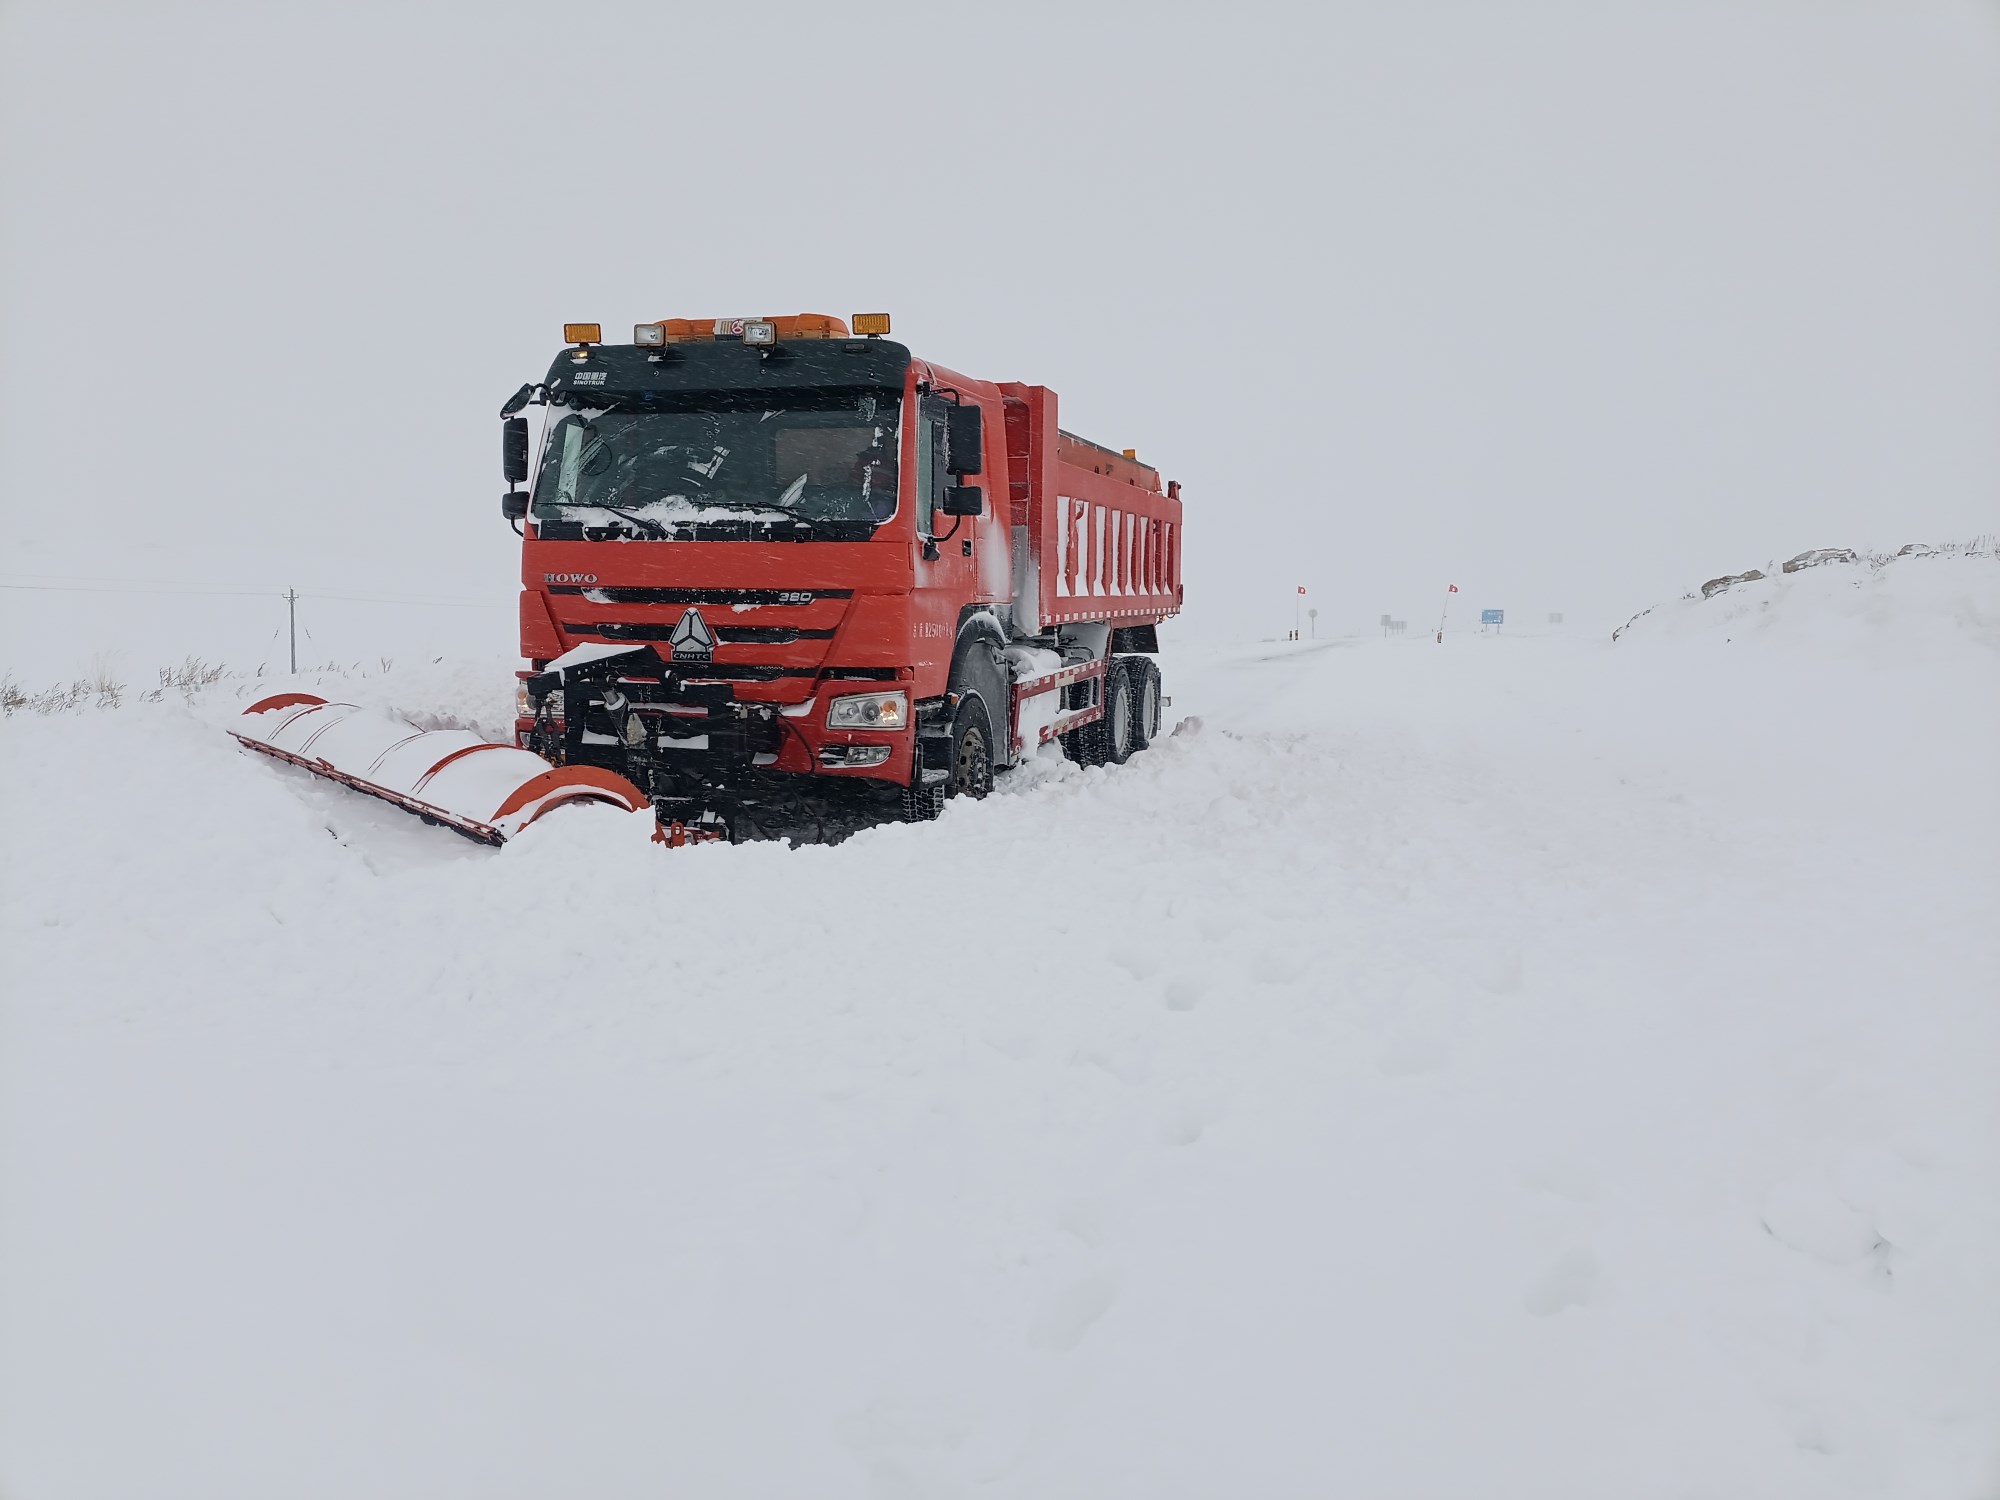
{"x": 1572, "y": 304}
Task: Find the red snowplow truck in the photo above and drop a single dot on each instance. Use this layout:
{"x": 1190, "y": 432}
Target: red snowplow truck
{"x": 782, "y": 576}
{"x": 780, "y": 579}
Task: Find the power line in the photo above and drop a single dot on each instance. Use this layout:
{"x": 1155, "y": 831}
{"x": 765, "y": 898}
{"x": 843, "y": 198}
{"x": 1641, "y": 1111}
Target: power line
{"x": 409, "y": 599}
{"x": 135, "y": 586}
{"x": 110, "y": 588}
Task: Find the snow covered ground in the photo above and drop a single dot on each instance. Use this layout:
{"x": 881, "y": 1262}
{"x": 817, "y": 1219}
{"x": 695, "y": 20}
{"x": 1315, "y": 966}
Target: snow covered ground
{"x": 1530, "y": 1066}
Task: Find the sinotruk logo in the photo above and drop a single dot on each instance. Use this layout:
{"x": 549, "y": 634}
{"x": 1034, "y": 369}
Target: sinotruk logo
{"x": 692, "y": 640}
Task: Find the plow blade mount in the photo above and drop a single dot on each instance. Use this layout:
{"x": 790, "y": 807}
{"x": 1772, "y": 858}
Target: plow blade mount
{"x": 486, "y": 791}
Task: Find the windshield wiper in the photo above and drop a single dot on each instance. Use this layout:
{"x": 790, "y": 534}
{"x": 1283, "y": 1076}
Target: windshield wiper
{"x": 774, "y": 514}
{"x": 738, "y": 504}
{"x": 645, "y": 523}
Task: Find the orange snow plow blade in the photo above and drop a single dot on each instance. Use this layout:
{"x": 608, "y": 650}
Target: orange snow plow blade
{"x": 486, "y": 791}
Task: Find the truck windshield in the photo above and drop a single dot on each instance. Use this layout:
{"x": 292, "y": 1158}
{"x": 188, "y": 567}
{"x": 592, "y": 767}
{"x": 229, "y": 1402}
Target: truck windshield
{"x": 723, "y": 466}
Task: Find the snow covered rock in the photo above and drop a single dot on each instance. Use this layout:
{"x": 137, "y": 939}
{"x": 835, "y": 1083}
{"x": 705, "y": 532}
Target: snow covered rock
{"x": 1819, "y": 557}
{"x": 1715, "y": 586}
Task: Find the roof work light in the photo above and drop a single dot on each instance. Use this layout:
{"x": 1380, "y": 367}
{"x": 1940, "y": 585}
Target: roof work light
{"x": 874, "y": 325}
{"x": 649, "y": 335}
{"x": 583, "y": 333}
{"x": 756, "y": 331}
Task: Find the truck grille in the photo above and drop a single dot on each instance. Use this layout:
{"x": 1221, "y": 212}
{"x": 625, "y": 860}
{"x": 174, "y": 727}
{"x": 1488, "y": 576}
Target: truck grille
{"x": 723, "y": 597}
{"x": 765, "y": 639}
{"x": 734, "y": 635}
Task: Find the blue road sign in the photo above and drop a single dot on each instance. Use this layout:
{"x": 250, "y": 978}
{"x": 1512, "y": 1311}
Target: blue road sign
{"x": 1492, "y": 616}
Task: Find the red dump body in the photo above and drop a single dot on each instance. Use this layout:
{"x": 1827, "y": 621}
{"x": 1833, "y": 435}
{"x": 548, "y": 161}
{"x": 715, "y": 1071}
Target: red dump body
{"x": 1104, "y": 535}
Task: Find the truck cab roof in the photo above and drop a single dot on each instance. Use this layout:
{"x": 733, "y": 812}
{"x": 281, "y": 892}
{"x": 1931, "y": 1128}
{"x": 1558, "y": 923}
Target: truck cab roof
{"x": 628, "y": 375}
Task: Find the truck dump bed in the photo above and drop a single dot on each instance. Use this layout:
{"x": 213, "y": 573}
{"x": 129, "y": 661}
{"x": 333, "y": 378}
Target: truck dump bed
{"x": 1102, "y": 537}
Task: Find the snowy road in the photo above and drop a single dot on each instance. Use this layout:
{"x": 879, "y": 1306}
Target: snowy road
{"x": 1527, "y": 1066}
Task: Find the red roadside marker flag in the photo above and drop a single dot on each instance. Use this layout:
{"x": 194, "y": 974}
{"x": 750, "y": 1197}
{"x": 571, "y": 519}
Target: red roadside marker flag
{"x": 1302, "y": 588}
{"x": 1449, "y": 588}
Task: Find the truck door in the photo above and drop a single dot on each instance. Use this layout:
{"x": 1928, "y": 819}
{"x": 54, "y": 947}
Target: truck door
{"x": 944, "y": 582}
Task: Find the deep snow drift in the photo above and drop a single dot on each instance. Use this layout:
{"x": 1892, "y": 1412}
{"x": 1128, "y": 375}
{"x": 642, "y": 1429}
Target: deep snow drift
{"x": 1527, "y": 1066}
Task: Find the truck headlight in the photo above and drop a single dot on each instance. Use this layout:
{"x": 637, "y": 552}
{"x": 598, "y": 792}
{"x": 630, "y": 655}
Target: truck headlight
{"x": 869, "y": 711}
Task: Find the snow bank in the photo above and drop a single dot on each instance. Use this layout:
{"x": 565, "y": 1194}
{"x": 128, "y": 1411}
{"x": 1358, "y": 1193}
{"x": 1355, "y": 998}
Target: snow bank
{"x": 1521, "y": 1066}
{"x": 1890, "y": 609}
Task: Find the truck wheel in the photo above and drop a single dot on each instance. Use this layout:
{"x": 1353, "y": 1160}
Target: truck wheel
{"x": 971, "y": 752}
{"x": 1145, "y": 701}
{"x": 1105, "y": 740}
{"x": 922, "y": 804}
{"x": 1121, "y": 702}
{"x": 1090, "y": 745}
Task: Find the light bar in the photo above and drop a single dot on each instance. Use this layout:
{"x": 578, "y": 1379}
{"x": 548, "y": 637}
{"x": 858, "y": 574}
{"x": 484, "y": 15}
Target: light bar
{"x": 583, "y": 333}
{"x": 649, "y": 335}
{"x": 871, "y": 324}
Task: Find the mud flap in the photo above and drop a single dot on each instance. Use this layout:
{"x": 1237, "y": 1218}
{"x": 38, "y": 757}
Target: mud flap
{"x": 933, "y": 758}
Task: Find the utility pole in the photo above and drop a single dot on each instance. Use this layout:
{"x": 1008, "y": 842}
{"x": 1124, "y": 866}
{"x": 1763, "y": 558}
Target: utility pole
{"x": 292, "y": 612}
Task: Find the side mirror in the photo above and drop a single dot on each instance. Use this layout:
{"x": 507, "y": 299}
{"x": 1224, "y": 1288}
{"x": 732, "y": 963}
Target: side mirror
{"x": 963, "y": 500}
{"x": 964, "y": 442}
{"x": 514, "y": 449}
{"x": 514, "y": 505}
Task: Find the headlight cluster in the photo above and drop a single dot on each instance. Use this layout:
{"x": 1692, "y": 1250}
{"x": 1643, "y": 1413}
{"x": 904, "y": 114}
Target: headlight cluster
{"x": 869, "y": 711}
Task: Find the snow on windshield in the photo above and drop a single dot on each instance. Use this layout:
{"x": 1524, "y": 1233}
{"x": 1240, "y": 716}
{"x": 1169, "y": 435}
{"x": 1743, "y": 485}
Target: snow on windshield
{"x": 829, "y": 459}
